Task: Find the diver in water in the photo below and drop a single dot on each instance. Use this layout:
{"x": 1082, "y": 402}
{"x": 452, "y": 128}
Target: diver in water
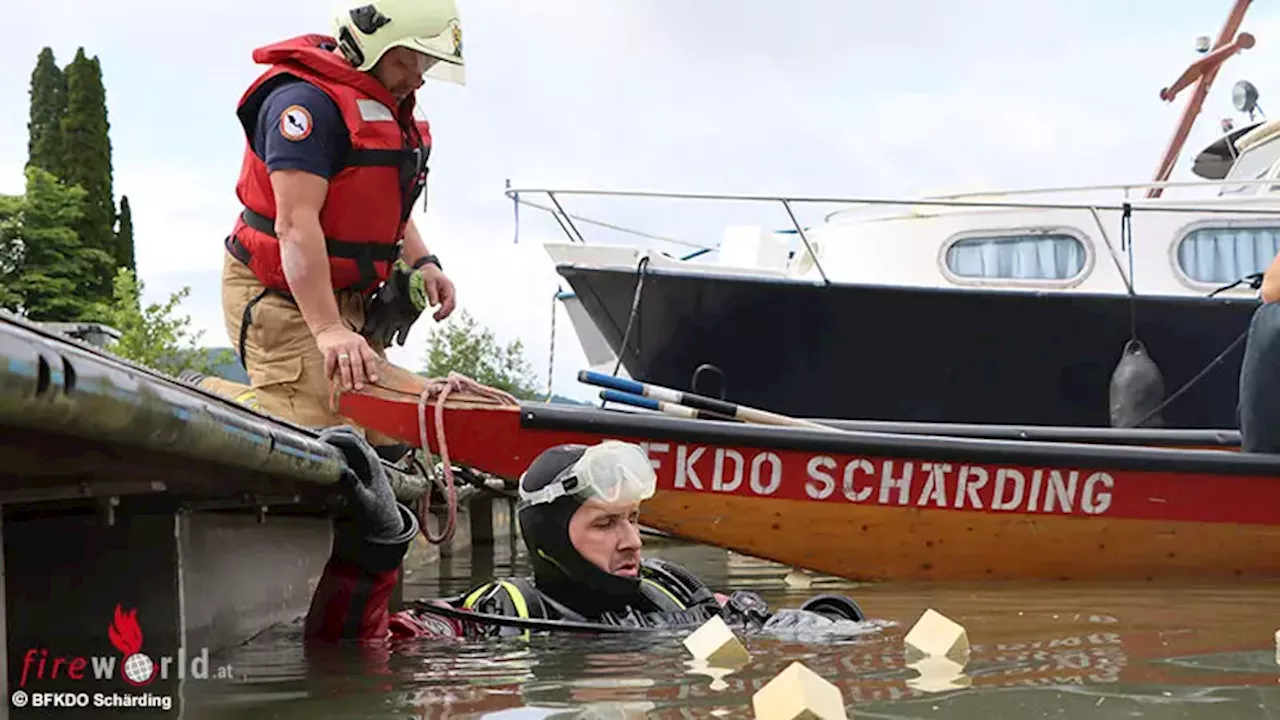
{"x": 579, "y": 513}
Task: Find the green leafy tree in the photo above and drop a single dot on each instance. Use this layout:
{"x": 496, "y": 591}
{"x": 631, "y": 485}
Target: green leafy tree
{"x": 86, "y": 148}
{"x": 45, "y": 263}
{"x": 10, "y": 251}
{"x": 48, "y": 105}
{"x": 462, "y": 345}
{"x": 155, "y": 335}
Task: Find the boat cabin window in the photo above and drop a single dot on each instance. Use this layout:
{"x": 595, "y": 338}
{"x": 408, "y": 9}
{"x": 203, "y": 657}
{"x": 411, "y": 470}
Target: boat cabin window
{"x": 1253, "y": 164}
{"x": 1221, "y": 254}
{"x": 1041, "y": 256}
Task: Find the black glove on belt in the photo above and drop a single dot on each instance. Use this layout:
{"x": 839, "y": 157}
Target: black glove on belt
{"x": 393, "y": 310}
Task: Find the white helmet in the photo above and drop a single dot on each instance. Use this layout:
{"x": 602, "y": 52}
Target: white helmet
{"x": 366, "y": 31}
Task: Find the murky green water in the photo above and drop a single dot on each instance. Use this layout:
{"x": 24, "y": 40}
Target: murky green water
{"x": 1047, "y": 651}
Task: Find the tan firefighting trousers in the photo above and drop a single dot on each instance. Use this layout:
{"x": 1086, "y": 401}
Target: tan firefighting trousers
{"x": 285, "y": 367}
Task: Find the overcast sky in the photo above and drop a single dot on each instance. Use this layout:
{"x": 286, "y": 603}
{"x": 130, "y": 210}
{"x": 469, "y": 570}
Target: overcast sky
{"x": 832, "y": 97}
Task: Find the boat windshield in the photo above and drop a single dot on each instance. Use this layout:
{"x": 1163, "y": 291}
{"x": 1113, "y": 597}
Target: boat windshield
{"x": 1254, "y": 164}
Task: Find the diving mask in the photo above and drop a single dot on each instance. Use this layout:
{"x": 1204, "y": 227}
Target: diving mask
{"x": 613, "y": 471}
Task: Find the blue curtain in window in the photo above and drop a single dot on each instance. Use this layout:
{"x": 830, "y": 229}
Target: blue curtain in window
{"x": 1223, "y": 255}
{"x": 1028, "y": 257}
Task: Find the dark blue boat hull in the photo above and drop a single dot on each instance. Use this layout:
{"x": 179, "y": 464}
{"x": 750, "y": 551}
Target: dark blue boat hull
{"x": 919, "y": 354}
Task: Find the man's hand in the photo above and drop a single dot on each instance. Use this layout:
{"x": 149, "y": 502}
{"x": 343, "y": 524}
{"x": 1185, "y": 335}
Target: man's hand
{"x": 440, "y": 291}
{"x": 347, "y": 356}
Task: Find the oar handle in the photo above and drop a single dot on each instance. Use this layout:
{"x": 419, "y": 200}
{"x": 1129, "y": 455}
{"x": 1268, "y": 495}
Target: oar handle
{"x": 626, "y": 398}
{"x": 698, "y": 402}
{"x": 662, "y": 406}
{"x": 591, "y": 377}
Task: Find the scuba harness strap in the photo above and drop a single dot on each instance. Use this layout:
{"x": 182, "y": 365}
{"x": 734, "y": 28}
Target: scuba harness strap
{"x": 506, "y": 597}
{"x": 675, "y": 583}
{"x": 673, "y": 596}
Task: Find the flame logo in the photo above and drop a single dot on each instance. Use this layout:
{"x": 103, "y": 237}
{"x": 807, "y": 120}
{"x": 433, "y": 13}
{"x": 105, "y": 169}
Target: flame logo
{"x": 125, "y": 633}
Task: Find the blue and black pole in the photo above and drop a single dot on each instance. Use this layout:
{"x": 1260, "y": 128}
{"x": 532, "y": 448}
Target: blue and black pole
{"x": 631, "y": 392}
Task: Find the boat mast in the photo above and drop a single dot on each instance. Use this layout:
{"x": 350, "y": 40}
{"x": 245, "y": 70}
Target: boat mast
{"x": 1203, "y": 71}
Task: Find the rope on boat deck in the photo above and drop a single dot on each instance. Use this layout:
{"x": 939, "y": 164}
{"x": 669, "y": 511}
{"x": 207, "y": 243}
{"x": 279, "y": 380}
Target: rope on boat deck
{"x": 440, "y": 389}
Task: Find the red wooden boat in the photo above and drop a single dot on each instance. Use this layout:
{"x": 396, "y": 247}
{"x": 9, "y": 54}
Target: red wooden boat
{"x": 873, "y": 505}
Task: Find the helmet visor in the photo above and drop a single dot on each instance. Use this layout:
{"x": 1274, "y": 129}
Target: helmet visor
{"x": 445, "y": 51}
{"x": 613, "y": 471}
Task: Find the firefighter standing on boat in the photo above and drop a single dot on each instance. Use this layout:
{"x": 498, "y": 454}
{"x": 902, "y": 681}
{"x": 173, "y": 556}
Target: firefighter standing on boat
{"x": 325, "y": 267}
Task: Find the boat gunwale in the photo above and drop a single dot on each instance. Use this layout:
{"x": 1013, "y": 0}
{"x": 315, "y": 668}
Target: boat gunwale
{"x": 1184, "y": 461}
{"x": 583, "y": 271}
{"x": 1048, "y": 433}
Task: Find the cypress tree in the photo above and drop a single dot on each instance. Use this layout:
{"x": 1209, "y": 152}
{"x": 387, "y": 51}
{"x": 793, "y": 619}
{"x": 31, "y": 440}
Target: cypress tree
{"x": 48, "y": 105}
{"x": 124, "y": 236}
{"x": 87, "y": 153}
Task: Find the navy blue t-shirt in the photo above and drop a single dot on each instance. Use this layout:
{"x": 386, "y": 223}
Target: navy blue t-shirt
{"x": 300, "y": 128}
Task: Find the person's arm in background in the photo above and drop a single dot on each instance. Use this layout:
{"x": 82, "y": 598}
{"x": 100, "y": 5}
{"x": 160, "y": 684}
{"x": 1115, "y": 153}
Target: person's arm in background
{"x": 1271, "y": 281}
{"x": 303, "y": 140}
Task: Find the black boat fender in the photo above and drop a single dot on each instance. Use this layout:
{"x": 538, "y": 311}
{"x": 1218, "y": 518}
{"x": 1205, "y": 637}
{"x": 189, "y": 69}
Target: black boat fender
{"x": 1137, "y": 388}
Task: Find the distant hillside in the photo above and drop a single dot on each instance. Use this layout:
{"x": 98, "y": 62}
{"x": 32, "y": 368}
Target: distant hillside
{"x": 227, "y": 370}
{"x": 562, "y": 400}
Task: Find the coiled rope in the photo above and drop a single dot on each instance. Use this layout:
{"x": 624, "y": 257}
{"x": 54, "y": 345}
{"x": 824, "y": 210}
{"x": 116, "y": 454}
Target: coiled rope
{"x": 466, "y": 390}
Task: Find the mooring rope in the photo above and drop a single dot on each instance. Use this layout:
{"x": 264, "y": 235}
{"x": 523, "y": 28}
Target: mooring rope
{"x": 440, "y": 389}
{"x": 551, "y": 356}
{"x": 631, "y": 317}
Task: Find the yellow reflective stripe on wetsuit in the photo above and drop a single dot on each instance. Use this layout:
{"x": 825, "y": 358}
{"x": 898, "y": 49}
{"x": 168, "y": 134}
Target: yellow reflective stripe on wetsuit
{"x": 517, "y": 597}
{"x": 665, "y": 591}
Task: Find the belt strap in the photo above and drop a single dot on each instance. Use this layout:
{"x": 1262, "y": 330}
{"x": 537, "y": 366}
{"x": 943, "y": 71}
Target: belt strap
{"x": 237, "y": 249}
{"x": 336, "y": 248}
{"x": 364, "y": 254}
{"x": 380, "y": 158}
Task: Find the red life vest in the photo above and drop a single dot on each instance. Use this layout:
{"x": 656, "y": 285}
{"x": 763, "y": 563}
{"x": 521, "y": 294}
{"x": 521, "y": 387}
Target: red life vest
{"x": 369, "y": 200}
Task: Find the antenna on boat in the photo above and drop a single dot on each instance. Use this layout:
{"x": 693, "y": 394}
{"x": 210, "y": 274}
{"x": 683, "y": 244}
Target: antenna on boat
{"x": 1202, "y": 72}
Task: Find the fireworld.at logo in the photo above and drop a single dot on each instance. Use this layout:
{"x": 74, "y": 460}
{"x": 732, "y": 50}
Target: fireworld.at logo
{"x": 136, "y": 667}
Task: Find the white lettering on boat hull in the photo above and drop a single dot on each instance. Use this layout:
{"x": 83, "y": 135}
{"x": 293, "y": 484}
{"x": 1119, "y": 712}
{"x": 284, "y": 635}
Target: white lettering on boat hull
{"x": 882, "y": 481}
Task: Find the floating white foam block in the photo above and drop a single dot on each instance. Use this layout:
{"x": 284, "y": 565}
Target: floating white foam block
{"x": 937, "y": 634}
{"x": 716, "y": 644}
{"x": 798, "y": 693}
{"x": 798, "y": 578}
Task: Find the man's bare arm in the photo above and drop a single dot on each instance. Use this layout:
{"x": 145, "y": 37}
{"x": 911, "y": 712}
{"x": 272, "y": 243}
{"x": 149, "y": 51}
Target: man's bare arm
{"x": 299, "y": 198}
{"x": 413, "y": 247}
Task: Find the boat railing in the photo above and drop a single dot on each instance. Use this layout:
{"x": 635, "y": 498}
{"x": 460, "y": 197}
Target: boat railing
{"x": 1122, "y": 187}
{"x": 988, "y": 200}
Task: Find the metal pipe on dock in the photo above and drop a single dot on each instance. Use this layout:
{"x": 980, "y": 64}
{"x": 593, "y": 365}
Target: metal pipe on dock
{"x": 54, "y": 384}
